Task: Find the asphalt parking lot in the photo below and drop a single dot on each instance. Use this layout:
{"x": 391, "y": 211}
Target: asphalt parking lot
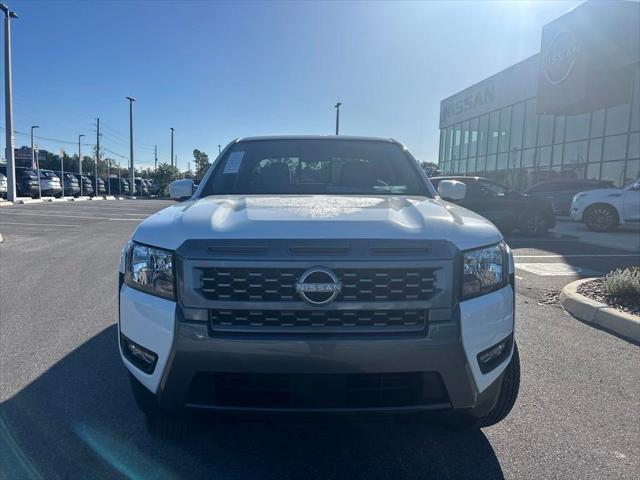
{"x": 66, "y": 409}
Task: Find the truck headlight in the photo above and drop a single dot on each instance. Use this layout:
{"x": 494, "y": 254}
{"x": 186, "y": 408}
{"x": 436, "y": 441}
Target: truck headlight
{"x": 150, "y": 270}
{"x": 484, "y": 270}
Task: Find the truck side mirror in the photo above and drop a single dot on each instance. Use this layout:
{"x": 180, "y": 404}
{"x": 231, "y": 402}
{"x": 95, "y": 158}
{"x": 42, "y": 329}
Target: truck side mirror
{"x": 181, "y": 190}
{"x": 452, "y": 190}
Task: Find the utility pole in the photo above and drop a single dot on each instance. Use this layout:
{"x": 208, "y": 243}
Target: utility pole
{"x": 34, "y": 161}
{"x": 109, "y": 176}
{"x": 155, "y": 156}
{"x": 62, "y": 170}
{"x": 8, "y": 106}
{"x": 80, "y": 164}
{"x": 337, "y": 107}
{"x": 131, "y": 170}
{"x": 95, "y": 190}
{"x": 120, "y": 182}
{"x": 218, "y": 149}
{"x": 172, "y": 145}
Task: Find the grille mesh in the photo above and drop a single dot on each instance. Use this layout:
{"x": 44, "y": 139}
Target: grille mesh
{"x": 278, "y": 284}
{"x": 322, "y": 320}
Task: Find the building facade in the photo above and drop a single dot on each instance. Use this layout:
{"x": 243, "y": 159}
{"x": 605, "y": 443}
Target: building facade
{"x": 571, "y": 111}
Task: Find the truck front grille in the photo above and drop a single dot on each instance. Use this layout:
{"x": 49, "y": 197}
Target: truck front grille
{"x": 278, "y": 284}
{"x": 318, "y": 321}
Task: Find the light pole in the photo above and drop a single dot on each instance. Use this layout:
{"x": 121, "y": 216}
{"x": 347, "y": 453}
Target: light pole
{"x": 218, "y": 149}
{"x": 337, "y": 107}
{"x": 8, "y": 105}
{"x": 34, "y": 160}
{"x": 80, "y": 164}
{"x": 131, "y": 170}
{"x": 171, "y": 145}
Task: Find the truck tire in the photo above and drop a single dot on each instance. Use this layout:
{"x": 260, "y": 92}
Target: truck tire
{"x": 601, "y": 218}
{"x": 533, "y": 224}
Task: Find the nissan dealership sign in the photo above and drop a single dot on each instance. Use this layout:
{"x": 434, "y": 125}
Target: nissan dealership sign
{"x": 587, "y": 58}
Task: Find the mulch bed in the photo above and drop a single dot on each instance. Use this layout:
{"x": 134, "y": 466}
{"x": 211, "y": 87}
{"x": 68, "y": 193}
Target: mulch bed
{"x": 595, "y": 291}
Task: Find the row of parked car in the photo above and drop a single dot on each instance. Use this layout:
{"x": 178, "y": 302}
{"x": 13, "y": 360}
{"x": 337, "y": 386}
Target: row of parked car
{"x": 51, "y": 183}
{"x": 599, "y": 205}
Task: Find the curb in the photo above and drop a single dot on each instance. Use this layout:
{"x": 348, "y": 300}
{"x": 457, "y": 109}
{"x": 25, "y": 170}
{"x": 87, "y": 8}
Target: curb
{"x": 591, "y": 311}
{"x": 78, "y": 199}
{"x": 23, "y": 201}
{"x": 1, "y": 238}
{"x": 5, "y": 203}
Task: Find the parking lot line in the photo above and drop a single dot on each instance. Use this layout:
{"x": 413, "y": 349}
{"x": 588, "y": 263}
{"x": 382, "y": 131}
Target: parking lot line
{"x": 578, "y": 255}
{"x": 47, "y": 214}
{"x": 39, "y": 224}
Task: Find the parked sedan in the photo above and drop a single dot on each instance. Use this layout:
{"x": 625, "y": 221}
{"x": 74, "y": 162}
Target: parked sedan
{"x": 141, "y": 187}
{"x": 603, "y": 210}
{"x": 50, "y": 185}
{"x": 560, "y": 192}
{"x": 87, "y": 185}
{"x": 119, "y": 188}
{"x": 99, "y": 186}
{"x": 26, "y": 181}
{"x": 507, "y": 209}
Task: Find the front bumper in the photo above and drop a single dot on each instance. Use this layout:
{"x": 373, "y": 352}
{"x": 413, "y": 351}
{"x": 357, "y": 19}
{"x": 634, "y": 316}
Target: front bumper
{"x": 189, "y": 357}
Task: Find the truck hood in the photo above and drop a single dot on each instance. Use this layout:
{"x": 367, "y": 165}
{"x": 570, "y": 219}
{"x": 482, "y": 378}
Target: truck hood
{"x": 316, "y": 217}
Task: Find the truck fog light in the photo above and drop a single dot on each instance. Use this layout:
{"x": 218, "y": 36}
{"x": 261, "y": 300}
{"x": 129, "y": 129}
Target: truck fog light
{"x": 142, "y": 358}
{"x": 493, "y": 356}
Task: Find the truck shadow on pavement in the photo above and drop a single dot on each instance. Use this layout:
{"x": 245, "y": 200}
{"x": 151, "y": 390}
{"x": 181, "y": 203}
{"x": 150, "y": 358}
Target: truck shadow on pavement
{"x": 78, "y": 419}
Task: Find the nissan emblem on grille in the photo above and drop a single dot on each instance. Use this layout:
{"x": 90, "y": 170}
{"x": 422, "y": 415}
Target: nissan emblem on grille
{"x": 318, "y": 286}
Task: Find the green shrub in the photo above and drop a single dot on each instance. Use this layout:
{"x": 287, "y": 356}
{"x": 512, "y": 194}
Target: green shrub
{"x": 623, "y": 283}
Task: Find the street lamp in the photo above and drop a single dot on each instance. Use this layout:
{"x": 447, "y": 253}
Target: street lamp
{"x": 337, "y": 107}
{"x": 218, "y": 149}
{"x": 8, "y": 105}
{"x": 131, "y": 170}
{"x": 34, "y": 161}
{"x": 80, "y": 164}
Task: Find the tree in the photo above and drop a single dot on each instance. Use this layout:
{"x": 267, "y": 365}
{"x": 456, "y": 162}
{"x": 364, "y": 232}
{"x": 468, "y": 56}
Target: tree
{"x": 202, "y": 162}
{"x": 430, "y": 168}
{"x": 164, "y": 175}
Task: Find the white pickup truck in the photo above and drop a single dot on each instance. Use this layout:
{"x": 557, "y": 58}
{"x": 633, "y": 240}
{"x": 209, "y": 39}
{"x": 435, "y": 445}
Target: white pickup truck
{"x": 318, "y": 275}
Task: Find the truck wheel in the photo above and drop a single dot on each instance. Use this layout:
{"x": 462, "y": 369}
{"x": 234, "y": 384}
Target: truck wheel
{"x": 533, "y": 224}
{"x": 506, "y": 400}
{"x": 601, "y": 218}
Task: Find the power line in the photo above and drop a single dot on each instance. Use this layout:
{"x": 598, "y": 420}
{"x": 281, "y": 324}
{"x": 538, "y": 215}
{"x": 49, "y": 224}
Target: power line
{"x": 16, "y": 132}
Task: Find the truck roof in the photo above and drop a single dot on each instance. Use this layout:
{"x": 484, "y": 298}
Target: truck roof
{"x": 315, "y": 137}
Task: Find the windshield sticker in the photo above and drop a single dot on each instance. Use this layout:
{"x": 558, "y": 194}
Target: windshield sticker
{"x": 234, "y": 162}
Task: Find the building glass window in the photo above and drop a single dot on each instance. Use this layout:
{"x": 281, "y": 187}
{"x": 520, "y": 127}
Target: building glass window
{"x": 593, "y": 171}
{"x": 447, "y": 144}
{"x": 577, "y": 127}
{"x": 615, "y": 148}
{"x": 455, "y": 150}
{"x": 473, "y": 137}
{"x": 617, "y": 119}
{"x": 530, "y": 124}
{"x": 595, "y": 150}
{"x": 614, "y": 171}
{"x": 635, "y": 102}
{"x": 441, "y": 149}
{"x": 517, "y": 122}
{"x": 471, "y": 165}
{"x": 529, "y": 157}
{"x": 575, "y": 152}
{"x": 491, "y": 166}
{"x": 544, "y": 156}
{"x": 597, "y": 123}
{"x": 494, "y": 118}
{"x": 464, "y": 149}
{"x": 633, "y": 171}
{"x": 559, "y": 134}
{"x": 545, "y": 129}
{"x": 505, "y": 129}
{"x": 557, "y": 155}
{"x": 482, "y": 134}
{"x": 481, "y": 165}
{"x": 634, "y": 145}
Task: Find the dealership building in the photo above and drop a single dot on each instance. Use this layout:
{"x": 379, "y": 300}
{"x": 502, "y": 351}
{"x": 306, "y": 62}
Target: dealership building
{"x": 570, "y": 111}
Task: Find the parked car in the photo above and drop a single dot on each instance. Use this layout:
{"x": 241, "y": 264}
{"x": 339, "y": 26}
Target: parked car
{"x": 99, "y": 187}
{"x": 154, "y": 188}
{"x": 70, "y": 183}
{"x": 26, "y": 181}
{"x": 266, "y": 317}
{"x": 50, "y": 185}
{"x": 87, "y": 185}
{"x": 560, "y": 192}
{"x": 603, "y": 210}
{"x": 141, "y": 187}
{"x": 3, "y": 186}
{"x": 506, "y": 208}
{"x": 119, "y": 188}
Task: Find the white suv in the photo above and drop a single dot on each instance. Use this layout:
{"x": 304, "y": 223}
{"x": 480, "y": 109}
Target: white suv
{"x": 318, "y": 275}
{"x": 604, "y": 209}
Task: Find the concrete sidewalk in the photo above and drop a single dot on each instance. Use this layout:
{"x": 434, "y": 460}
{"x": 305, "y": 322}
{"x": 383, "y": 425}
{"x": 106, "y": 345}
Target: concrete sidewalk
{"x": 623, "y": 238}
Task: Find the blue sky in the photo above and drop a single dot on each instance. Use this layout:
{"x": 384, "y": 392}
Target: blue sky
{"x": 215, "y": 71}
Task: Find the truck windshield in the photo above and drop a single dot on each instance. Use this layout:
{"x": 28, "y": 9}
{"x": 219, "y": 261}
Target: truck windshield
{"x": 332, "y": 167}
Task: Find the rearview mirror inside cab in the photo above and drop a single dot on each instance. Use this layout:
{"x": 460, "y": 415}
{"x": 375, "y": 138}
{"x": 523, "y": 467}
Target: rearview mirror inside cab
{"x": 452, "y": 190}
{"x": 181, "y": 190}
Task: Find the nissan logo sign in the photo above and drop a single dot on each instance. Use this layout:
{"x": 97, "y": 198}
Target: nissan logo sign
{"x": 561, "y": 56}
{"x": 318, "y": 286}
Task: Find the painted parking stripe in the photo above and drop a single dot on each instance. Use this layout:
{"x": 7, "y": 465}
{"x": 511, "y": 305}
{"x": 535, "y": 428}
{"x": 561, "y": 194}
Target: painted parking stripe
{"x": 39, "y": 224}
{"x": 555, "y": 269}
